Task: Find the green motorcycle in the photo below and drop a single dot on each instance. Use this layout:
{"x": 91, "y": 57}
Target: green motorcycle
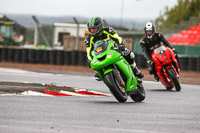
{"x": 116, "y": 72}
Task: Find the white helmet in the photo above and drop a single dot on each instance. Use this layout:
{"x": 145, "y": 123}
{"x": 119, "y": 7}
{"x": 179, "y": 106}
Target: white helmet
{"x": 150, "y": 27}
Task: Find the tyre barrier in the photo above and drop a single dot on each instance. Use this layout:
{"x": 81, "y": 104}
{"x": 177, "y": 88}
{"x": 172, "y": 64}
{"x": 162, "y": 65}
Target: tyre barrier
{"x": 82, "y": 58}
{"x": 45, "y": 57}
{"x": 192, "y": 64}
{"x": 52, "y": 57}
{"x": 25, "y": 56}
{"x": 39, "y": 56}
{"x": 140, "y": 60}
{"x": 183, "y": 63}
{"x": 4, "y": 54}
{"x": 0, "y": 53}
{"x": 74, "y": 57}
{"x": 198, "y": 64}
{"x": 86, "y": 62}
{"x": 32, "y": 56}
{"x": 60, "y": 57}
{"x": 18, "y": 55}
{"x": 67, "y": 59}
{"x": 11, "y": 54}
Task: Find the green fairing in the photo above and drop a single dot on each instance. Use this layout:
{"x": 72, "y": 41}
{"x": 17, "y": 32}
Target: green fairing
{"x": 108, "y": 70}
{"x": 127, "y": 71}
{"x": 113, "y": 57}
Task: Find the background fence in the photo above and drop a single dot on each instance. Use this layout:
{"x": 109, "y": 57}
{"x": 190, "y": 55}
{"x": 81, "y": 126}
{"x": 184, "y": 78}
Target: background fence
{"x": 61, "y": 57}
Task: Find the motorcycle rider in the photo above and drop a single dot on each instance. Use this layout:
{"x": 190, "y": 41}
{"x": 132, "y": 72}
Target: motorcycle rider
{"x": 97, "y": 31}
{"x": 149, "y": 42}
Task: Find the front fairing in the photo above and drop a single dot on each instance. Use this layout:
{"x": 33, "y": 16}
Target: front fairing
{"x": 162, "y": 56}
{"x": 103, "y": 58}
{"x": 110, "y": 57}
{"x": 164, "y": 59}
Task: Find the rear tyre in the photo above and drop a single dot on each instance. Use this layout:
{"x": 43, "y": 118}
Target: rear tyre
{"x": 140, "y": 95}
{"x": 118, "y": 92}
{"x": 174, "y": 79}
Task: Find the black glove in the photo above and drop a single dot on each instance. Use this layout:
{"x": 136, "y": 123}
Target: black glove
{"x": 121, "y": 47}
{"x": 88, "y": 63}
{"x": 174, "y": 51}
{"x": 150, "y": 63}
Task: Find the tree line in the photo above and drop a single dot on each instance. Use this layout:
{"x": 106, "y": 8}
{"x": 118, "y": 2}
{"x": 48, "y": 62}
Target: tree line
{"x": 182, "y": 11}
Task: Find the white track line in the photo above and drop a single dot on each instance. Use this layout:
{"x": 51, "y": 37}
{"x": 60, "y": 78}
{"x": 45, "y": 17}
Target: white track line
{"x": 34, "y": 93}
{"x": 73, "y": 93}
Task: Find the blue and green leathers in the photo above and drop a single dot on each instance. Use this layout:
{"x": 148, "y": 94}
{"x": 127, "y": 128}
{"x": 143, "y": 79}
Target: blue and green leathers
{"x": 107, "y": 60}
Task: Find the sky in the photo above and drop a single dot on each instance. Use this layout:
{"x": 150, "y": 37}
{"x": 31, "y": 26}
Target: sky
{"x": 125, "y": 9}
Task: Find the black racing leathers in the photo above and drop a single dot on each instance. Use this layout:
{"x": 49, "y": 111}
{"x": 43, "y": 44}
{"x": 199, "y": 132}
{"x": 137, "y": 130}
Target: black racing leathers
{"x": 107, "y": 33}
{"x": 148, "y": 45}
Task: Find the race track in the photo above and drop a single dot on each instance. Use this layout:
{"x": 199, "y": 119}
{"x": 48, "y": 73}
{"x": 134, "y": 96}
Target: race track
{"x": 161, "y": 112}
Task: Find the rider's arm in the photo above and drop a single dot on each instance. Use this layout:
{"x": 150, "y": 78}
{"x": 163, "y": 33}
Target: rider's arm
{"x": 145, "y": 51}
{"x": 165, "y": 42}
{"x": 114, "y": 36}
{"x": 89, "y": 47}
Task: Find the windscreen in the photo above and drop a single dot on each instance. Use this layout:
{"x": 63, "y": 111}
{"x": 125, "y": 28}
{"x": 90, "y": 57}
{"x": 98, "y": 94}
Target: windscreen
{"x": 160, "y": 50}
{"x": 100, "y": 47}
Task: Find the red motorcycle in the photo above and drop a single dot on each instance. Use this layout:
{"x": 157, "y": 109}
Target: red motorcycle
{"x": 166, "y": 67}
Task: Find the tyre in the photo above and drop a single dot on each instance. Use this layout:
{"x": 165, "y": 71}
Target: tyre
{"x": 169, "y": 88}
{"x": 173, "y": 78}
{"x": 140, "y": 95}
{"x": 118, "y": 91}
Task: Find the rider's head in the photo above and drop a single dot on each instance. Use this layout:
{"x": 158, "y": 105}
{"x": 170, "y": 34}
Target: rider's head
{"x": 149, "y": 29}
{"x": 95, "y": 26}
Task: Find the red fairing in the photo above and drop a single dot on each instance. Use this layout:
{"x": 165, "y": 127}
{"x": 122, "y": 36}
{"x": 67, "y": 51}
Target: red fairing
{"x": 164, "y": 59}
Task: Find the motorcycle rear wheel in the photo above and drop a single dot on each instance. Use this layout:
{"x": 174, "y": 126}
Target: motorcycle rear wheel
{"x": 174, "y": 79}
{"x": 140, "y": 95}
{"x": 115, "y": 89}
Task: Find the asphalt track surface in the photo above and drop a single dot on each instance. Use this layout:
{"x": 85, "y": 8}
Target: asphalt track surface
{"x": 161, "y": 112}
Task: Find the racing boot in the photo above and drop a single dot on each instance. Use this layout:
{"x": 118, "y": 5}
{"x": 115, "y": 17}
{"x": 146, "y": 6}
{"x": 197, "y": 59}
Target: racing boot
{"x": 136, "y": 71}
{"x": 96, "y": 76}
{"x": 156, "y": 77}
{"x": 130, "y": 57}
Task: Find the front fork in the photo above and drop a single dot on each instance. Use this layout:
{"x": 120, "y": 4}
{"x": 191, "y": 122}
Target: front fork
{"x": 104, "y": 71}
{"x": 166, "y": 74}
{"x": 131, "y": 82}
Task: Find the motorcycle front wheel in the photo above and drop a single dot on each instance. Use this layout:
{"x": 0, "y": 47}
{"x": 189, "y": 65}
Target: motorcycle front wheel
{"x": 173, "y": 78}
{"x": 118, "y": 91}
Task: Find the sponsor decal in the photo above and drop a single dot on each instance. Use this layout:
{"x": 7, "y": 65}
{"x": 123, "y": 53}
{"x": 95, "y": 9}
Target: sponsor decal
{"x": 110, "y": 55}
{"x": 96, "y": 63}
{"x": 99, "y": 49}
{"x": 157, "y": 51}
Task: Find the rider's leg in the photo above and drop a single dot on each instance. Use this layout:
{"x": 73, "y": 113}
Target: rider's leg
{"x": 96, "y": 76}
{"x": 153, "y": 71}
{"x": 136, "y": 71}
{"x": 130, "y": 57}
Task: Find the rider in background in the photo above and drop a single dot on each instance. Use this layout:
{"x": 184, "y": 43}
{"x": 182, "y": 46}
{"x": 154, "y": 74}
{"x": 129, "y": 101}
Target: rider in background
{"x": 149, "y": 42}
{"x": 97, "y": 31}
